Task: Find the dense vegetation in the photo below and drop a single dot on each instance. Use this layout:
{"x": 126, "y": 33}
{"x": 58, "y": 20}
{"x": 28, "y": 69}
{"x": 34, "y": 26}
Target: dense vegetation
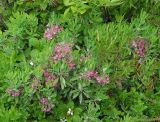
{"x": 79, "y": 60}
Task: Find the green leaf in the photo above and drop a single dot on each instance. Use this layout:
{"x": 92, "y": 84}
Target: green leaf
{"x": 66, "y": 13}
{"x": 63, "y": 82}
{"x": 75, "y": 94}
{"x": 80, "y": 98}
{"x": 34, "y": 42}
{"x": 14, "y": 114}
{"x": 87, "y": 95}
{"x": 68, "y": 3}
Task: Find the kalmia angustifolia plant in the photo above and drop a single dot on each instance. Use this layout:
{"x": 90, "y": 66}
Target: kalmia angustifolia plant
{"x": 64, "y": 51}
{"x": 48, "y": 76}
{"x": 45, "y": 103}
{"x": 100, "y": 79}
{"x": 13, "y": 93}
{"x": 51, "y": 31}
{"x": 139, "y": 47}
{"x": 95, "y": 60}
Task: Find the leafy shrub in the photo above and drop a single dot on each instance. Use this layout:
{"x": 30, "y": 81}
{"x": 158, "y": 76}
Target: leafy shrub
{"x": 79, "y": 60}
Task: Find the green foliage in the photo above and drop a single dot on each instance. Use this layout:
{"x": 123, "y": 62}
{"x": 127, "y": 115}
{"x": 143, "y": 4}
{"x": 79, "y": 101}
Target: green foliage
{"x": 92, "y": 113}
{"x": 79, "y": 60}
{"x": 12, "y": 114}
{"x": 22, "y": 25}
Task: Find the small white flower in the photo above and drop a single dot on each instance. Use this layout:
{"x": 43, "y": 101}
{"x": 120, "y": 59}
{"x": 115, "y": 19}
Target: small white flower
{"x": 70, "y": 112}
{"x": 63, "y": 120}
{"x": 31, "y": 63}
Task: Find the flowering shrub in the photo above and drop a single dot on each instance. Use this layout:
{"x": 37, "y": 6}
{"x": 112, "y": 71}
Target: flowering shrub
{"x": 79, "y": 61}
{"x": 50, "y": 32}
{"x": 139, "y": 46}
{"x": 13, "y": 92}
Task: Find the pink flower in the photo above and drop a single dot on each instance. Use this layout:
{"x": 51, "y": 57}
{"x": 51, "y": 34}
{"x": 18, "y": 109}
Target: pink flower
{"x": 51, "y": 31}
{"x": 106, "y": 80}
{"x": 139, "y": 47}
{"x": 34, "y": 87}
{"x": 47, "y": 109}
{"x": 46, "y": 73}
{"x": 63, "y": 51}
{"x": 48, "y": 76}
{"x": 91, "y": 74}
{"x": 102, "y": 80}
{"x": 58, "y": 48}
{"x": 58, "y": 52}
{"x": 71, "y": 65}
{"x": 13, "y": 93}
{"x": 58, "y": 57}
{"x": 44, "y": 101}
{"x": 67, "y": 48}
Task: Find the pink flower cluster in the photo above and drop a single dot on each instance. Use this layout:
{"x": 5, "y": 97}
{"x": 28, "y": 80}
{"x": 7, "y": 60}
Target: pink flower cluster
{"x": 63, "y": 51}
{"x": 44, "y": 101}
{"x": 139, "y": 47}
{"x": 51, "y": 31}
{"x": 91, "y": 74}
{"x": 71, "y": 64}
{"x": 46, "y": 108}
{"x": 49, "y": 77}
{"x": 103, "y": 79}
{"x": 13, "y": 93}
{"x": 100, "y": 79}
